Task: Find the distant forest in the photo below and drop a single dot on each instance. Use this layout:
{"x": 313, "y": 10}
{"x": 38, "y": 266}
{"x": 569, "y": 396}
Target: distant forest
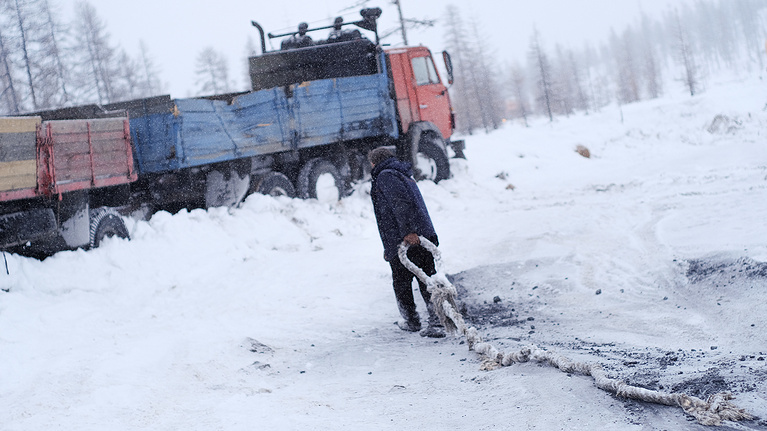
{"x": 46, "y": 63}
{"x": 675, "y": 53}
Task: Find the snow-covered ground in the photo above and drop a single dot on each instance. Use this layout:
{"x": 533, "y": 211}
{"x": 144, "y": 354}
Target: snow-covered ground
{"x": 649, "y": 257}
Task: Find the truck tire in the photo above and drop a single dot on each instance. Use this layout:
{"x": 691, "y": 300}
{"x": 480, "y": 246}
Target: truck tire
{"x": 274, "y": 184}
{"x": 432, "y": 162}
{"x": 106, "y": 223}
{"x": 319, "y": 179}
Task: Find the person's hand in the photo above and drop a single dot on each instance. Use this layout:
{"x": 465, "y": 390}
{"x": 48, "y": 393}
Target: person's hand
{"x": 412, "y": 239}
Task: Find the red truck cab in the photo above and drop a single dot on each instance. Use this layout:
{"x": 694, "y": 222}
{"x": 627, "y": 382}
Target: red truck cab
{"x": 420, "y": 93}
{"x": 424, "y": 111}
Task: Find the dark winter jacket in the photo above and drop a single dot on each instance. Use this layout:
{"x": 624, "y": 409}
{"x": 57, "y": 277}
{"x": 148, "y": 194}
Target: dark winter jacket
{"x": 398, "y": 205}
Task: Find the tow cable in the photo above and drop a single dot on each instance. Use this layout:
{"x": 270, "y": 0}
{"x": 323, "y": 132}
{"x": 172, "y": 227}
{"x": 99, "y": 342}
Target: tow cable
{"x": 715, "y": 409}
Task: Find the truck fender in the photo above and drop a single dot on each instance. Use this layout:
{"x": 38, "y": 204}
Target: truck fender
{"x": 74, "y": 219}
{"x": 226, "y": 185}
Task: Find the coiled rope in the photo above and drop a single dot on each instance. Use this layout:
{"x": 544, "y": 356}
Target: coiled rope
{"x": 715, "y": 409}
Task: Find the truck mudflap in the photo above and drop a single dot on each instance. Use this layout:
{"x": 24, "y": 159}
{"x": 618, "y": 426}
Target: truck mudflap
{"x": 458, "y": 147}
{"x": 26, "y": 226}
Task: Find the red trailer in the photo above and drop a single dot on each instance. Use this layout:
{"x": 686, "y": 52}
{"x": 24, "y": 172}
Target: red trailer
{"x": 59, "y": 181}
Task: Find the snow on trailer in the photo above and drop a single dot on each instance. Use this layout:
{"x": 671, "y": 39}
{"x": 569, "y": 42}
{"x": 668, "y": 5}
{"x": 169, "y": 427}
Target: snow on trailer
{"x": 58, "y": 179}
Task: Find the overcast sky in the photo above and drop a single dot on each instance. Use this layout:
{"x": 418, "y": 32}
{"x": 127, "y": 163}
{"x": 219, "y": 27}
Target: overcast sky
{"x": 175, "y": 31}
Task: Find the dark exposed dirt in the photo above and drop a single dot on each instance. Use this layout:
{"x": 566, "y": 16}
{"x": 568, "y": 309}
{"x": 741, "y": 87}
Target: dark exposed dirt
{"x": 698, "y": 373}
{"x": 725, "y": 271}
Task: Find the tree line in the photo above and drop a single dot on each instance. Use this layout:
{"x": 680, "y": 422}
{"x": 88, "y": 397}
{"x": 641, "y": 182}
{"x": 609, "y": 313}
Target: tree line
{"x": 46, "y": 63}
{"x": 675, "y": 52}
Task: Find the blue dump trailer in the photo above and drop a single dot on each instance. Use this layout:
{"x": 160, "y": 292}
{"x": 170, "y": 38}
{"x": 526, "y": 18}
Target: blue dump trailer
{"x": 195, "y": 132}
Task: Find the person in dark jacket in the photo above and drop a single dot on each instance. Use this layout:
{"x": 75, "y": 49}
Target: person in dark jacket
{"x": 401, "y": 215}
{"x": 340, "y": 35}
{"x": 298, "y": 40}
{"x": 337, "y": 31}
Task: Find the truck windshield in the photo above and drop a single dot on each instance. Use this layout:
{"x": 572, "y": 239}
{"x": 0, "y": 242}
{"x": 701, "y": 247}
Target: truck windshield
{"x": 424, "y": 71}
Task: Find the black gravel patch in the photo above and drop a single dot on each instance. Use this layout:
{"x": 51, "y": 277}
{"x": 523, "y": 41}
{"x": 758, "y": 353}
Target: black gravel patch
{"x": 709, "y": 383}
{"x": 495, "y": 311}
{"x": 724, "y": 271}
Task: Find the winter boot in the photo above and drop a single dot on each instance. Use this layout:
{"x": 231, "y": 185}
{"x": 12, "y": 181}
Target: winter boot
{"x": 410, "y": 325}
{"x": 434, "y": 329}
{"x": 411, "y": 322}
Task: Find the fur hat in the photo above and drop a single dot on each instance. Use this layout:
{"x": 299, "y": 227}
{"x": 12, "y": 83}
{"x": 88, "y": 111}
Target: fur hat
{"x": 379, "y": 154}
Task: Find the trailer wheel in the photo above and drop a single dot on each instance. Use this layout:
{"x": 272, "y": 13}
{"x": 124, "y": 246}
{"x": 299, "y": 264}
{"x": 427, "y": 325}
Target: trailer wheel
{"x": 432, "y": 162}
{"x": 319, "y": 179}
{"x": 274, "y": 184}
{"x": 106, "y": 223}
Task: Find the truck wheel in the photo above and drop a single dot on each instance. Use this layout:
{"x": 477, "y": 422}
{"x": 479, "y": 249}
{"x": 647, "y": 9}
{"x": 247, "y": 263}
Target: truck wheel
{"x": 432, "y": 162}
{"x": 106, "y": 223}
{"x": 274, "y": 184}
{"x": 319, "y": 179}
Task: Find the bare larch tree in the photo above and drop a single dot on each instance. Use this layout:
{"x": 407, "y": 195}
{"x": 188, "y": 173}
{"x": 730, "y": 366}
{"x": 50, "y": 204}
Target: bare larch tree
{"x": 542, "y": 71}
{"x": 97, "y": 64}
{"x": 212, "y": 72}
{"x": 685, "y": 56}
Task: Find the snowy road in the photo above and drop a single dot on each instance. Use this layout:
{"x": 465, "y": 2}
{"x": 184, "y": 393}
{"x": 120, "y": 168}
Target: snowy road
{"x": 648, "y": 257}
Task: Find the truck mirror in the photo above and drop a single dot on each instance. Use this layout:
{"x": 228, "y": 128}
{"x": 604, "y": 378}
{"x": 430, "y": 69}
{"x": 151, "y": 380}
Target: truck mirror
{"x": 448, "y": 66}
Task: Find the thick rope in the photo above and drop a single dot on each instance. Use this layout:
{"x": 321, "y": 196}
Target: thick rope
{"x": 715, "y": 409}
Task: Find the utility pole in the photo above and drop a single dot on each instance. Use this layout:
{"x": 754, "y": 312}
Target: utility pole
{"x": 401, "y": 21}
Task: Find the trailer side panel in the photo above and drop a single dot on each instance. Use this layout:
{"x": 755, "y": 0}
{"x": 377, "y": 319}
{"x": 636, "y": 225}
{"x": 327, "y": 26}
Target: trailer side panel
{"x": 204, "y": 131}
{"x": 18, "y": 157}
{"x": 342, "y": 109}
{"x": 88, "y": 154}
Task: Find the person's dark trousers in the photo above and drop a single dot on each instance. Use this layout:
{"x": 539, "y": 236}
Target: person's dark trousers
{"x": 402, "y": 280}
